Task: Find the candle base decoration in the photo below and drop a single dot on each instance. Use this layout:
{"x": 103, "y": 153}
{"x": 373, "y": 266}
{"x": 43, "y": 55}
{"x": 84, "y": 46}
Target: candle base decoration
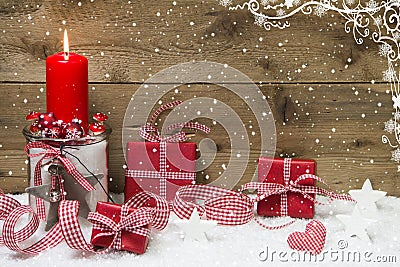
{"x": 72, "y": 169}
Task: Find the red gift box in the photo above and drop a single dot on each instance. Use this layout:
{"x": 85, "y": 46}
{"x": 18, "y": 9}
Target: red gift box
{"x": 283, "y": 171}
{"x": 144, "y": 168}
{"x": 130, "y": 241}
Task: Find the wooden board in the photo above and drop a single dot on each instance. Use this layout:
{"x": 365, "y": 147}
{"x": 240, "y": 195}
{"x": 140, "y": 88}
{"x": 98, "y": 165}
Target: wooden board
{"x": 339, "y": 125}
{"x": 130, "y": 41}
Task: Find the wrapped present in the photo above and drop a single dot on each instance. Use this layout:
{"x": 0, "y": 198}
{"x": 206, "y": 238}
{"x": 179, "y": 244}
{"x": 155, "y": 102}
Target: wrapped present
{"x": 121, "y": 227}
{"x": 164, "y": 163}
{"x": 288, "y": 197}
{"x": 150, "y": 167}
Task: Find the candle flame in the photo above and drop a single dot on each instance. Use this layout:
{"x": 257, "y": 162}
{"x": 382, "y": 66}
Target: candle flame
{"x": 66, "y": 45}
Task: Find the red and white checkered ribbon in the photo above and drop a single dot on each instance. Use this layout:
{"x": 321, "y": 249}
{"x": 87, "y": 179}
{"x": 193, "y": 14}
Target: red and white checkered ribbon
{"x": 222, "y": 205}
{"x": 151, "y": 133}
{"x": 11, "y": 211}
{"x": 267, "y": 189}
{"x": 68, "y": 227}
{"x": 52, "y": 153}
{"x": 225, "y": 206}
{"x": 160, "y": 213}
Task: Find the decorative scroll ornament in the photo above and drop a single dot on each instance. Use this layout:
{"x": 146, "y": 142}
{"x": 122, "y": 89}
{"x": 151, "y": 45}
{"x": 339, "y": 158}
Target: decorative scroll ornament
{"x": 377, "y": 20}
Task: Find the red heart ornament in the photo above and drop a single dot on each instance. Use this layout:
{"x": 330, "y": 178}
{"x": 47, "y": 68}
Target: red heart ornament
{"x": 312, "y": 240}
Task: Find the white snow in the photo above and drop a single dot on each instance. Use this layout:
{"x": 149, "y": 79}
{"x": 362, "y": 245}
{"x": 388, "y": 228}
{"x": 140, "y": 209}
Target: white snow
{"x": 240, "y": 245}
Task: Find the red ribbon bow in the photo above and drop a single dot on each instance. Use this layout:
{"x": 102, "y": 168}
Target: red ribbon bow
{"x": 156, "y": 216}
{"x": 133, "y": 223}
{"x": 151, "y": 133}
{"x": 52, "y": 153}
{"x": 267, "y": 189}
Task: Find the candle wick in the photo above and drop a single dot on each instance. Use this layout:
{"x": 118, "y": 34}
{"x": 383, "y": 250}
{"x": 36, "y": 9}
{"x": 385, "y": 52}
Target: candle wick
{"x": 66, "y": 55}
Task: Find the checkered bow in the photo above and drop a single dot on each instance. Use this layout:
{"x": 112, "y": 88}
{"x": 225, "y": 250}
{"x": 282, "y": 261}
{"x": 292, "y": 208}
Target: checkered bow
{"x": 265, "y": 190}
{"x": 151, "y": 133}
{"x": 134, "y": 222}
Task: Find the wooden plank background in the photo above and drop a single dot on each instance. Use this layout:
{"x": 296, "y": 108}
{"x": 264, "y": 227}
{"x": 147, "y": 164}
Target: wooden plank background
{"x": 325, "y": 91}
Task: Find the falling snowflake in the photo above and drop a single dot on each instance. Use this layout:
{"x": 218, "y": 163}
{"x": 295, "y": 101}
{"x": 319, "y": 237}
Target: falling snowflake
{"x": 225, "y": 3}
{"x": 372, "y": 4}
{"x": 320, "y": 11}
{"x": 389, "y": 75}
{"x": 280, "y": 13}
{"x": 259, "y": 20}
{"x": 396, "y": 155}
{"x": 385, "y": 49}
{"x": 390, "y": 126}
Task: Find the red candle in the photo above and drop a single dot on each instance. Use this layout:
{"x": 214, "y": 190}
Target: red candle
{"x": 67, "y": 85}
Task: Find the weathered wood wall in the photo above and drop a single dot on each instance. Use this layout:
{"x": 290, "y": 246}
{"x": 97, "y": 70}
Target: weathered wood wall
{"x": 325, "y": 91}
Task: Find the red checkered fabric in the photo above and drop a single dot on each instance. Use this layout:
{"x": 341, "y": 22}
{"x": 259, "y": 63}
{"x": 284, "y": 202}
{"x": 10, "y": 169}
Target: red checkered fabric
{"x": 163, "y": 108}
{"x": 68, "y": 220}
{"x": 52, "y": 153}
{"x": 133, "y": 223}
{"x": 11, "y": 212}
{"x": 222, "y": 205}
{"x": 7, "y": 205}
{"x": 312, "y": 240}
{"x": 150, "y": 133}
{"x": 160, "y": 213}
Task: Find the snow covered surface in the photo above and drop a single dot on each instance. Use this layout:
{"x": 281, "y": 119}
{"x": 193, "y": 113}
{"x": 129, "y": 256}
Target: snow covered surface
{"x": 246, "y": 245}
